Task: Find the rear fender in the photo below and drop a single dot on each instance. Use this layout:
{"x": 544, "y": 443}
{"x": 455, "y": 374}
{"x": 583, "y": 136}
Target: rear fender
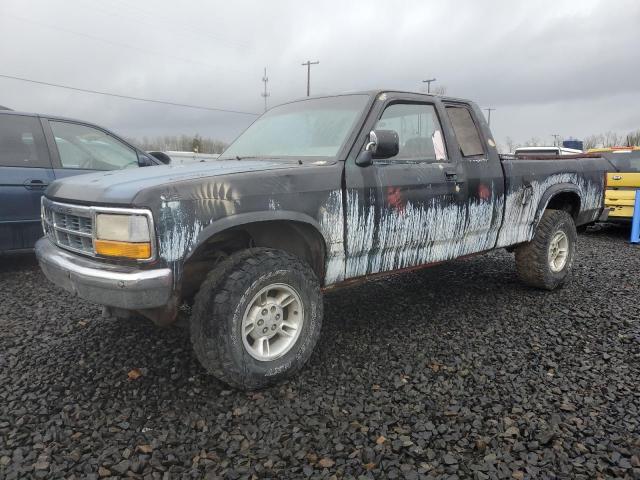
{"x": 552, "y": 192}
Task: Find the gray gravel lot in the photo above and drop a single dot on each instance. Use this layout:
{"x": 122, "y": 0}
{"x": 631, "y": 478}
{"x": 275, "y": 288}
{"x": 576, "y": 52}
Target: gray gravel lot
{"x": 457, "y": 371}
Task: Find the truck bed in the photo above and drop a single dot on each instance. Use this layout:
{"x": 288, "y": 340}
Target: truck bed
{"x": 532, "y": 180}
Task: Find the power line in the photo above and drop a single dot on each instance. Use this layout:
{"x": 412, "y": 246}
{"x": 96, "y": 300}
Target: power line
{"x": 128, "y": 97}
{"x": 265, "y": 94}
{"x": 308, "y": 64}
{"x": 110, "y": 42}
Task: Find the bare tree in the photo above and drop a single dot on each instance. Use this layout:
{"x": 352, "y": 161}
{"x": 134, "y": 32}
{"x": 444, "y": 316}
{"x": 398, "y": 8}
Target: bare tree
{"x": 633, "y": 138}
{"x": 596, "y": 140}
{"x": 185, "y": 143}
{"x": 612, "y": 139}
{"x": 440, "y": 90}
{"x": 533, "y": 142}
{"x": 592, "y": 141}
{"x": 511, "y": 144}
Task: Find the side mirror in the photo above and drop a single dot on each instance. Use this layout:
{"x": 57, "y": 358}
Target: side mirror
{"x": 381, "y": 144}
{"x": 387, "y": 143}
{"x": 163, "y": 157}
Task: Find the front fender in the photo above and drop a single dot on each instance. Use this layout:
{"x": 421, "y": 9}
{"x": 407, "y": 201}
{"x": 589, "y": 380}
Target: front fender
{"x": 240, "y": 219}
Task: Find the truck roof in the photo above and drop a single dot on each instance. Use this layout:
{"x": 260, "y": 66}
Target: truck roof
{"x": 377, "y": 92}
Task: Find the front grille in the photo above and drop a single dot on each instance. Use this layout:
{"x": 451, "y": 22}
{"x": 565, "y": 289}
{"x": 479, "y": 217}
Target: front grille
{"x": 73, "y": 226}
{"x": 69, "y": 226}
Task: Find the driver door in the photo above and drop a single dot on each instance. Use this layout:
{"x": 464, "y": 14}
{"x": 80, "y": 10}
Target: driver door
{"x": 410, "y": 209}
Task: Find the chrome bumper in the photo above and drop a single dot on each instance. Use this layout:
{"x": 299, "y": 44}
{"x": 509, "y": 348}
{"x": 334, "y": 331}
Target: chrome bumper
{"x": 102, "y": 283}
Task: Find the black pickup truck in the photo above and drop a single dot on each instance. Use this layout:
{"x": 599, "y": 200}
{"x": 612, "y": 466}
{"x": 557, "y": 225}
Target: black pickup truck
{"x": 316, "y": 193}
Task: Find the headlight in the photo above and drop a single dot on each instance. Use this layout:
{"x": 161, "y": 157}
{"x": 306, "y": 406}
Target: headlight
{"x": 125, "y": 236}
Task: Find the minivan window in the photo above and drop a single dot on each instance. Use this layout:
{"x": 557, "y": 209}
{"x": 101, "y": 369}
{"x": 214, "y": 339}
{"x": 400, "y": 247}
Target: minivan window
{"x": 22, "y": 142}
{"x": 89, "y": 148}
{"x": 466, "y": 131}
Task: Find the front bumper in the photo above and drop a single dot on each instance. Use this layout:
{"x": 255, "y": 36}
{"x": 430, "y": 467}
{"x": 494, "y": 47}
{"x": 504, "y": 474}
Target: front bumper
{"x": 103, "y": 283}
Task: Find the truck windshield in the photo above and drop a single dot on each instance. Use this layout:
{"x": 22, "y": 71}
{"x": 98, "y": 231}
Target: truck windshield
{"x": 309, "y": 128}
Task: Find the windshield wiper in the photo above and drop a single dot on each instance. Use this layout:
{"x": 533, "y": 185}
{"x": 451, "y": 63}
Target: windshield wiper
{"x": 238, "y": 157}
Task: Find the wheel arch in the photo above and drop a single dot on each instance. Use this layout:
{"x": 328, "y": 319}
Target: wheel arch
{"x": 293, "y": 232}
{"x": 564, "y": 196}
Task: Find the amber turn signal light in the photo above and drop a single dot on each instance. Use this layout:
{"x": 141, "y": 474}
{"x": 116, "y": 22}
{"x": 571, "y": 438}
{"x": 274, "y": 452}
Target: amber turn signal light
{"x": 110, "y": 248}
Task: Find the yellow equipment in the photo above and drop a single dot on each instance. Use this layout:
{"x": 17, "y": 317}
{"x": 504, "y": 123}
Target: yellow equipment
{"x": 623, "y": 182}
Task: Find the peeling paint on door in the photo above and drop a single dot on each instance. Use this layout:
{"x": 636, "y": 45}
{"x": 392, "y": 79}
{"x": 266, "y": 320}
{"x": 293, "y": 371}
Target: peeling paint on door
{"x": 402, "y": 238}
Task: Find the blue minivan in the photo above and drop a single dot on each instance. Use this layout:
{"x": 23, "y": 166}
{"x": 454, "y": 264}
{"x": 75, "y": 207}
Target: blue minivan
{"x": 34, "y": 151}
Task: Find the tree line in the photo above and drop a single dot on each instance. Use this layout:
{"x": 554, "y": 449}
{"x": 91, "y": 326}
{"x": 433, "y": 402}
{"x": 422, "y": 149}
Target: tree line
{"x": 183, "y": 143}
{"x": 597, "y": 140}
{"x": 612, "y": 139}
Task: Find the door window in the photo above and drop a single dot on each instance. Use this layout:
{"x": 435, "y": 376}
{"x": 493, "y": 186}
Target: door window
{"x": 88, "y": 148}
{"x": 418, "y": 131}
{"x": 22, "y": 142}
{"x": 465, "y": 131}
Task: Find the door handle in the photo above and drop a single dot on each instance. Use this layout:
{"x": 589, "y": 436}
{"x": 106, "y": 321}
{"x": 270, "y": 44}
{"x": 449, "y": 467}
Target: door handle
{"x": 451, "y": 176}
{"x": 35, "y": 184}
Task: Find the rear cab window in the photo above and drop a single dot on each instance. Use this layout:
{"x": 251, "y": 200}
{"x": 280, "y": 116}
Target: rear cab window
{"x": 419, "y": 131}
{"x": 22, "y": 142}
{"x": 465, "y": 131}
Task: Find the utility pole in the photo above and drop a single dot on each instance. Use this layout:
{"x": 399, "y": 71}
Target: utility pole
{"x": 489, "y": 110}
{"x": 308, "y": 64}
{"x": 428, "y": 82}
{"x": 555, "y": 139}
{"x": 265, "y": 94}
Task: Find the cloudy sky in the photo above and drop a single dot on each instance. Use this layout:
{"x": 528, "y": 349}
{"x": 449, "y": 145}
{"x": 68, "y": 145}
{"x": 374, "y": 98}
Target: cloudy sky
{"x": 566, "y": 67}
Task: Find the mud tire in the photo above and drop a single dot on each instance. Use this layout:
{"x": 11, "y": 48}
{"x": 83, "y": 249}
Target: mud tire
{"x": 533, "y": 258}
{"x": 220, "y": 305}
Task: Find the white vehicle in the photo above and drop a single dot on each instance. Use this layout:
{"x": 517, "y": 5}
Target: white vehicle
{"x": 546, "y": 151}
{"x": 179, "y": 158}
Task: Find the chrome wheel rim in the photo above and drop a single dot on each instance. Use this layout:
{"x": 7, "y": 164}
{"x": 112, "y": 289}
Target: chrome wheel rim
{"x": 272, "y": 322}
{"x": 558, "y": 251}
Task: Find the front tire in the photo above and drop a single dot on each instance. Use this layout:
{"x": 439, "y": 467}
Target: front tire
{"x": 546, "y": 261}
{"x": 257, "y": 318}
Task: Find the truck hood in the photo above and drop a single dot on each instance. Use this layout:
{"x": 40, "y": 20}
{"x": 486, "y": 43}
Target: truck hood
{"x": 121, "y": 186}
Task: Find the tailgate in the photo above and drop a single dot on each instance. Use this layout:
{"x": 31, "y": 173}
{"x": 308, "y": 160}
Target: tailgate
{"x": 621, "y": 179}
{"x": 621, "y": 193}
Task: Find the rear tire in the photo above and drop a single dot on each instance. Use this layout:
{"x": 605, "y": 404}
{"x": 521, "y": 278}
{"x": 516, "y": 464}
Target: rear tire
{"x": 546, "y": 261}
{"x": 235, "y": 340}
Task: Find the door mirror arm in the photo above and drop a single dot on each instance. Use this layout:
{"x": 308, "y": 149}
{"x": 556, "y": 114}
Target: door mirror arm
{"x": 364, "y": 158}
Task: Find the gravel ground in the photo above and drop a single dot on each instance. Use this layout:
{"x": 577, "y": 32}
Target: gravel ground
{"x": 457, "y": 371}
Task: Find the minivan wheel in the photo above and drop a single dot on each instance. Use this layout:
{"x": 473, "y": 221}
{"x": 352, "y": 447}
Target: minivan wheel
{"x": 256, "y": 318}
{"x": 546, "y": 261}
